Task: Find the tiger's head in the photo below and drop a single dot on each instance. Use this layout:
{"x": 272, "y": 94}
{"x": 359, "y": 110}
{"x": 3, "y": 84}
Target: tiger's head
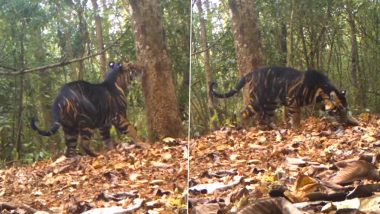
{"x": 125, "y": 72}
{"x": 335, "y": 104}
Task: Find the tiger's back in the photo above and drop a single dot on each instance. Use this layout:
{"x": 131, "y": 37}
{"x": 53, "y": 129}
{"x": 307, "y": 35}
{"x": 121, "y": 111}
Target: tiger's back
{"x": 270, "y": 87}
{"x": 81, "y": 106}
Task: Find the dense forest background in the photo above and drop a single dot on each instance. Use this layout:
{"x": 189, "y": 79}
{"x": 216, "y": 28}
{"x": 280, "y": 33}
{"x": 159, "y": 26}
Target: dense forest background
{"x": 340, "y": 38}
{"x": 35, "y": 34}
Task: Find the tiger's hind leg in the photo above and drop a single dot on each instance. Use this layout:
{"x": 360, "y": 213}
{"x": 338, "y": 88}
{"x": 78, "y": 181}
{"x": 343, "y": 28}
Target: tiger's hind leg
{"x": 267, "y": 116}
{"x": 71, "y": 140}
{"x": 285, "y": 116}
{"x": 246, "y": 114}
{"x": 86, "y": 134}
{"x": 250, "y": 111}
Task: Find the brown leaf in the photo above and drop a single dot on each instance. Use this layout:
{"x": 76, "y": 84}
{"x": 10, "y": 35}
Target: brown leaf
{"x": 270, "y": 206}
{"x": 206, "y": 209}
{"x": 355, "y": 170}
{"x": 160, "y": 164}
{"x": 304, "y": 186}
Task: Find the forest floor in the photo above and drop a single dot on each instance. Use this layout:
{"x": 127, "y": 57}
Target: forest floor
{"x": 320, "y": 167}
{"x": 129, "y": 180}
{"x": 287, "y": 171}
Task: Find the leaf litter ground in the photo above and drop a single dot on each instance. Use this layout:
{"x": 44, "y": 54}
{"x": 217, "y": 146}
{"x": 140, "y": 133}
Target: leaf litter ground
{"x": 138, "y": 180}
{"x": 321, "y": 162}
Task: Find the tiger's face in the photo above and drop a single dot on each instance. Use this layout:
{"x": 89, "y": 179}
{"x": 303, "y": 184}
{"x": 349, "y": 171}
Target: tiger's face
{"x": 130, "y": 72}
{"x": 335, "y": 103}
{"x": 127, "y": 72}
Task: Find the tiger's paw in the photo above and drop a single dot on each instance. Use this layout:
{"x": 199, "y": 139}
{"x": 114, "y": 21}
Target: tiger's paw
{"x": 70, "y": 153}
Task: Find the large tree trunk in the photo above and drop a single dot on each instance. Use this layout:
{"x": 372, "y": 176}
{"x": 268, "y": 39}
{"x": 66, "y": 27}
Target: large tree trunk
{"x": 206, "y": 55}
{"x": 99, "y": 38}
{"x": 160, "y": 98}
{"x": 246, "y": 36}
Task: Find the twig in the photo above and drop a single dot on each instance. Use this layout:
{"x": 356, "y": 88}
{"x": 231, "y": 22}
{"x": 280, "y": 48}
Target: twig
{"x": 58, "y": 64}
{"x": 13, "y": 206}
{"x": 210, "y": 46}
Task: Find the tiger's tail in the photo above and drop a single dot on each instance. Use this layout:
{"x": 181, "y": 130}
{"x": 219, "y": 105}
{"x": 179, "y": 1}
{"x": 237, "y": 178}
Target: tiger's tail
{"x": 53, "y": 129}
{"x": 232, "y": 92}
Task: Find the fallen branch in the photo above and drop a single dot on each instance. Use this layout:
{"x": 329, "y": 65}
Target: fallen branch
{"x": 11, "y": 71}
{"x": 210, "y": 45}
{"x": 12, "y": 206}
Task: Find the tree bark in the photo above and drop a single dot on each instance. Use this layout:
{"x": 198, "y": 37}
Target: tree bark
{"x": 290, "y": 55}
{"x": 246, "y": 36}
{"x": 20, "y": 111}
{"x": 83, "y": 40}
{"x": 355, "y": 68}
{"x": 99, "y": 37}
{"x": 208, "y": 70}
{"x": 159, "y": 92}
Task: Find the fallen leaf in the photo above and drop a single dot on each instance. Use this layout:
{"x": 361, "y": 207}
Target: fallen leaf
{"x": 206, "y": 208}
{"x": 350, "y": 171}
{"x": 270, "y": 206}
{"x": 210, "y": 188}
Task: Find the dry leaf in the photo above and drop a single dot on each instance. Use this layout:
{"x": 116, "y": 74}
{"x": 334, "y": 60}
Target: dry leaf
{"x": 350, "y": 171}
{"x": 270, "y": 206}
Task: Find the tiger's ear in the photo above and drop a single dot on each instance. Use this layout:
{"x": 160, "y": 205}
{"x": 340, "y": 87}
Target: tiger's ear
{"x": 343, "y": 92}
{"x": 111, "y": 64}
{"x": 334, "y": 97}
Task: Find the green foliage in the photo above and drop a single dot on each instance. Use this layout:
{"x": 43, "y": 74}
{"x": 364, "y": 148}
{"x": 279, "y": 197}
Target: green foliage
{"x": 321, "y": 40}
{"x": 35, "y": 33}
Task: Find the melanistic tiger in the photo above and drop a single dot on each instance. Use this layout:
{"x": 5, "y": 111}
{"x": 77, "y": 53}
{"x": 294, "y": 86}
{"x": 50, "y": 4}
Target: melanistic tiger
{"x": 81, "y": 106}
{"x": 270, "y": 87}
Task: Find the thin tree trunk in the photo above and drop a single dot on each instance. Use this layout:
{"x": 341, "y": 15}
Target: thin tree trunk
{"x": 282, "y": 41}
{"x": 304, "y": 47}
{"x": 83, "y": 41}
{"x": 160, "y": 98}
{"x": 292, "y": 27}
{"x": 21, "y": 97}
{"x": 247, "y": 38}
{"x": 206, "y": 55}
{"x": 99, "y": 37}
{"x": 355, "y": 69}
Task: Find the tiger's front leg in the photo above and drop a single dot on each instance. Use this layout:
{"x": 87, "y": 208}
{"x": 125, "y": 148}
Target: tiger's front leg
{"x": 294, "y": 112}
{"x": 125, "y": 128}
{"x": 106, "y": 137}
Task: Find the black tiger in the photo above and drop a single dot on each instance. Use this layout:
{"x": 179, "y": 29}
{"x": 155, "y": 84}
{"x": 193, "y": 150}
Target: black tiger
{"x": 270, "y": 87}
{"x": 81, "y": 106}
